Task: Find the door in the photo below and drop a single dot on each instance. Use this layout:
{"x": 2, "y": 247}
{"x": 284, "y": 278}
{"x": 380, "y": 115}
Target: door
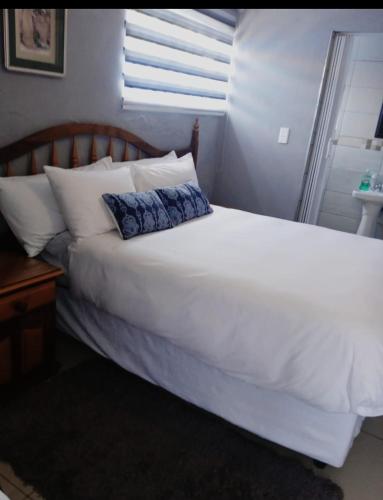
{"x": 343, "y": 139}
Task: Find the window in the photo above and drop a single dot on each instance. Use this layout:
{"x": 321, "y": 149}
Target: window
{"x": 176, "y": 59}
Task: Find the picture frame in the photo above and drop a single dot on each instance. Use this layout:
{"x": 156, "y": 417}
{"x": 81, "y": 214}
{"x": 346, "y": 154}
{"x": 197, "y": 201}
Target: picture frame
{"x": 379, "y": 127}
{"x": 35, "y": 41}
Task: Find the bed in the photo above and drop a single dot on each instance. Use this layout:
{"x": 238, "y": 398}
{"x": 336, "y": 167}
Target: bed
{"x": 270, "y": 324}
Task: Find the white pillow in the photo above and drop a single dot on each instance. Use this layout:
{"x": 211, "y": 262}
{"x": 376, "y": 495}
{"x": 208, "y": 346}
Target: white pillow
{"x": 164, "y": 174}
{"x": 102, "y": 164}
{"x": 145, "y": 161}
{"x": 31, "y": 211}
{"x": 30, "y": 208}
{"x": 78, "y": 195}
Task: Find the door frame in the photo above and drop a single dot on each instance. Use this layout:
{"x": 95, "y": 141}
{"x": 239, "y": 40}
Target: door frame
{"x": 326, "y": 111}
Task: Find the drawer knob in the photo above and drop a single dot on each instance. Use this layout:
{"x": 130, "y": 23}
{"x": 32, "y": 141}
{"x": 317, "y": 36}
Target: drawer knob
{"x": 20, "y": 307}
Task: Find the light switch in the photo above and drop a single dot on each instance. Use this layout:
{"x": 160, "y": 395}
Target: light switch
{"x": 284, "y": 133}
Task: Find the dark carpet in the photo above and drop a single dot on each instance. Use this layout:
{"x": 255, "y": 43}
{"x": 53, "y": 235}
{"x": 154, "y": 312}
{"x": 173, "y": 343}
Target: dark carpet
{"x": 98, "y": 432}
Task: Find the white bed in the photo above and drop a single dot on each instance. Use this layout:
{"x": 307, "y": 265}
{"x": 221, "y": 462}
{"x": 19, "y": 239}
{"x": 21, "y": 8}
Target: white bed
{"x": 271, "y": 324}
{"x": 263, "y": 333}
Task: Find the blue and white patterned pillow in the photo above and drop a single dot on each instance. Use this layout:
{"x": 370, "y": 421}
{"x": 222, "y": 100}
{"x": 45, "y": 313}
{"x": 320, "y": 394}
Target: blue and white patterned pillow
{"x": 184, "y": 202}
{"x": 137, "y": 213}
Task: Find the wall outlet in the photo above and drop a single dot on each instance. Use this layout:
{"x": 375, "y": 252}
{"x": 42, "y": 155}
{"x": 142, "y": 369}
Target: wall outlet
{"x": 283, "y": 137}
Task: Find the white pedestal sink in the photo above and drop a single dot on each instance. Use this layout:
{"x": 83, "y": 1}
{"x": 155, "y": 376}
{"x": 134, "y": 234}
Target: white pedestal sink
{"x": 372, "y": 205}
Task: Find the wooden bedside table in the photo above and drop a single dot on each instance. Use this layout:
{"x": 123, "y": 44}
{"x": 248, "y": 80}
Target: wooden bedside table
{"x": 27, "y": 319}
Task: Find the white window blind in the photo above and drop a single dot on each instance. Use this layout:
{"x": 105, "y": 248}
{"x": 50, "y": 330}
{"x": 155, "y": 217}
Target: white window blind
{"x": 176, "y": 58}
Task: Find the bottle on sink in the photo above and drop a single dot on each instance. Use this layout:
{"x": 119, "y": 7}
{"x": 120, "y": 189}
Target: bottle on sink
{"x": 373, "y": 181}
{"x": 365, "y": 182}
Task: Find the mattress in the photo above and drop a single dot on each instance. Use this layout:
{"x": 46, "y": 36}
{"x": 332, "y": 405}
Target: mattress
{"x": 269, "y": 414}
{"x": 286, "y": 306}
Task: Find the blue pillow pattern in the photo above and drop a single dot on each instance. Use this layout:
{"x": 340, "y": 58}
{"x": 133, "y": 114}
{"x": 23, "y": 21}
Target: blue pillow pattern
{"x": 138, "y": 213}
{"x": 184, "y": 202}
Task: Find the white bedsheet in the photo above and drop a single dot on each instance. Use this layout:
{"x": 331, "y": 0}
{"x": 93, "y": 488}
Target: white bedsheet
{"x": 288, "y": 306}
{"x": 273, "y": 415}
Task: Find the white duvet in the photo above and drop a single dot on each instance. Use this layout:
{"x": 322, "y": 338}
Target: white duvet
{"x": 287, "y": 306}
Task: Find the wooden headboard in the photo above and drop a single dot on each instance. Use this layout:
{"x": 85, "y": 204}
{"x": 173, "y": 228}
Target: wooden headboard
{"x": 50, "y": 135}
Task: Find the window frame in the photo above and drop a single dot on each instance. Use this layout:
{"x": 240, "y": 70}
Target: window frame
{"x": 132, "y": 105}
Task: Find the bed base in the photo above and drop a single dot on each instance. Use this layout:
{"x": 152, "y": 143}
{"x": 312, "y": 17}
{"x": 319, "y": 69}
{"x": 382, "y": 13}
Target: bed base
{"x": 325, "y": 437}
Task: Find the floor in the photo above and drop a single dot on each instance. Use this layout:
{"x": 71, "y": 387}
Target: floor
{"x": 361, "y": 477}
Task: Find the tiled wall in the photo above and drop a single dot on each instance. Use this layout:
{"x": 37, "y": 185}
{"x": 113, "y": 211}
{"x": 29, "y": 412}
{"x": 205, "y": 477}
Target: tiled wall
{"x": 355, "y": 149}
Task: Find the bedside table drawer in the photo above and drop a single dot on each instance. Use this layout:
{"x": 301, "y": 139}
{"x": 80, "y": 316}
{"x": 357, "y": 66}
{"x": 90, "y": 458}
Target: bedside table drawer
{"x": 24, "y": 301}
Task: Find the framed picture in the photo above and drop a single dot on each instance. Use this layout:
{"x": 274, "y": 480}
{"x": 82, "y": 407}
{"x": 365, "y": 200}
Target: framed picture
{"x": 34, "y": 40}
{"x": 379, "y": 127}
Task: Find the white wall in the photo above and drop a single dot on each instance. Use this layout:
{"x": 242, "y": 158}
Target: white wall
{"x": 356, "y": 150}
{"x": 278, "y": 64}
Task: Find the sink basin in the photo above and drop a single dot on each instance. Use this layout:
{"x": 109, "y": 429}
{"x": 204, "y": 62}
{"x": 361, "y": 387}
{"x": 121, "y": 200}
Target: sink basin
{"x": 372, "y": 205}
{"x": 370, "y": 196}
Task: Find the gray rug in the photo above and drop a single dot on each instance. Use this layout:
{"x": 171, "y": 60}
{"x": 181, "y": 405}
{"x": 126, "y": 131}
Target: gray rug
{"x": 98, "y": 432}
